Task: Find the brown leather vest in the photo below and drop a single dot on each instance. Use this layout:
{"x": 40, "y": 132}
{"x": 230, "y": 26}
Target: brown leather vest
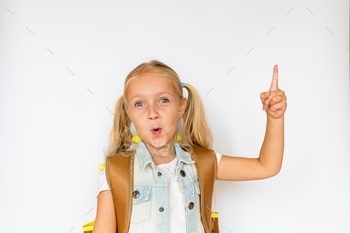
{"x": 119, "y": 175}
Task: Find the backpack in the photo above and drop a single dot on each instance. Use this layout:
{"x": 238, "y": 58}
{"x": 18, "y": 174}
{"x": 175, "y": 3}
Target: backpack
{"x": 121, "y": 165}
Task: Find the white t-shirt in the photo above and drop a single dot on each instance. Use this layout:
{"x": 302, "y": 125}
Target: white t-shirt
{"x": 177, "y": 219}
{"x": 176, "y": 224}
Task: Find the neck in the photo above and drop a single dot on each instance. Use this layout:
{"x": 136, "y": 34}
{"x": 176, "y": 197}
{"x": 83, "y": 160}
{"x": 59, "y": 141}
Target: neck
{"x": 163, "y": 154}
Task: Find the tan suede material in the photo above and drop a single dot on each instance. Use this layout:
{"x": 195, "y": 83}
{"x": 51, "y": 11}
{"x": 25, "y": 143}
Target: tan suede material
{"x": 119, "y": 173}
{"x": 206, "y": 164}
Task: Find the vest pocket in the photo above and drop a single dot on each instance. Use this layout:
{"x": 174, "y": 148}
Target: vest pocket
{"x": 141, "y": 204}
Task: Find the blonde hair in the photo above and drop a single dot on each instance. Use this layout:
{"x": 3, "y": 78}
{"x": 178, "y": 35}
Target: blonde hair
{"x": 192, "y": 128}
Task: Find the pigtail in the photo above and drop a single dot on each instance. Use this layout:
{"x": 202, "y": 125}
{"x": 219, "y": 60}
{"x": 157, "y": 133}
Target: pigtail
{"x": 195, "y": 128}
{"x": 120, "y": 136}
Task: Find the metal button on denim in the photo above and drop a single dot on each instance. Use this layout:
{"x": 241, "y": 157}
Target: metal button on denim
{"x": 191, "y": 205}
{"x": 161, "y": 209}
{"x": 135, "y": 194}
{"x": 182, "y": 173}
{"x": 159, "y": 173}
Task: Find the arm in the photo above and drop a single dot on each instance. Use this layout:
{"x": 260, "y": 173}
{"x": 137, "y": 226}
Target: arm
{"x": 105, "y": 221}
{"x": 271, "y": 153}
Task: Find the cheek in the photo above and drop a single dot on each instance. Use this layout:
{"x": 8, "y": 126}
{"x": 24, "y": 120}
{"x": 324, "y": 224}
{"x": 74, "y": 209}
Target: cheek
{"x": 134, "y": 116}
{"x": 138, "y": 118}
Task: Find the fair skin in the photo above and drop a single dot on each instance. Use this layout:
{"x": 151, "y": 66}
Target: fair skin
{"x": 154, "y": 107}
{"x": 269, "y": 162}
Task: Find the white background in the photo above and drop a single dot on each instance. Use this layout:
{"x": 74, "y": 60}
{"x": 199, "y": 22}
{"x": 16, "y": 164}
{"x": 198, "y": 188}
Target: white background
{"x": 62, "y": 66}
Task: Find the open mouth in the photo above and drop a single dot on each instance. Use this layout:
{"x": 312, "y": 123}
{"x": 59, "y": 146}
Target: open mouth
{"x": 156, "y": 129}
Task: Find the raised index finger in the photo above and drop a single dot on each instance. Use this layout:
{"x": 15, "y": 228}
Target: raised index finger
{"x": 274, "y": 82}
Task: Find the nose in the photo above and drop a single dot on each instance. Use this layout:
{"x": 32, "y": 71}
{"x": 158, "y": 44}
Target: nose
{"x": 153, "y": 113}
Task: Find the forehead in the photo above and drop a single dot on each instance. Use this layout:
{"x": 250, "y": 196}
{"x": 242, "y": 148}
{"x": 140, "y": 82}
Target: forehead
{"x": 149, "y": 84}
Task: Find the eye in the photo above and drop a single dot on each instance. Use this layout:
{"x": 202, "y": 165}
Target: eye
{"x": 138, "y": 104}
{"x": 164, "y": 100}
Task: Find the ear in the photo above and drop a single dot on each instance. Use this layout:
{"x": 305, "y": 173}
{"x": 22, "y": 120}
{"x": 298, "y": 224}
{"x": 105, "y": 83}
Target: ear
{"x": 183, "y": 104}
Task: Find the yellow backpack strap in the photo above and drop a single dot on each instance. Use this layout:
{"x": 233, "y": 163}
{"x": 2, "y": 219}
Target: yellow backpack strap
{"x": 120, "y": 177}
{"x": 206, "y": 164}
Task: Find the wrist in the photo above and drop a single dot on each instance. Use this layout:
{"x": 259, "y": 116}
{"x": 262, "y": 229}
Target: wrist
{"x": 275, "y": 119}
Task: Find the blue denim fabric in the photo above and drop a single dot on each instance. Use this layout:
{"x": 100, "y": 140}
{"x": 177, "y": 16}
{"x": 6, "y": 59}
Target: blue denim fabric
{"x": 150, "y": 212}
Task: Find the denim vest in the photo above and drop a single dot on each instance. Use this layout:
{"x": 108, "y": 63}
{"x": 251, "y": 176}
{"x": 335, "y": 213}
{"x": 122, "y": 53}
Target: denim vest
{"x": 150, "y": 212}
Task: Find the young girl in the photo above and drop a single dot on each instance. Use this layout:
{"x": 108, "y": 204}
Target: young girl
{"x": 153, "y": 103}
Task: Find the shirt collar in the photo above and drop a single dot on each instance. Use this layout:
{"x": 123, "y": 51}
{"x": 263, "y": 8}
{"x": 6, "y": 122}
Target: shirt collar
{"x": 183, "y": 156}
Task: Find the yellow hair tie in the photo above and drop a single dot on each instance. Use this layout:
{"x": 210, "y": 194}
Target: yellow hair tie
{"x": 137, "y": 139}
{"x": 177, "y": 138}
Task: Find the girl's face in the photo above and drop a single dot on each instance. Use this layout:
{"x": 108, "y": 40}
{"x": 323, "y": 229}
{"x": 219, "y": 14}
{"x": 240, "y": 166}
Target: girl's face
{"x": 154, "y": 107}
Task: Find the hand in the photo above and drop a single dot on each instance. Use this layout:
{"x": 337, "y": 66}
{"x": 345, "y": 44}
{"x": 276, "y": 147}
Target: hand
{"x": 274, "y": 101}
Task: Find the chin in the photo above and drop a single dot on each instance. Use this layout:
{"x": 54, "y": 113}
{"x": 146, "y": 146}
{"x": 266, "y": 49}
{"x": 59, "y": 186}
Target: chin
{"x": 158, "y": 143}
